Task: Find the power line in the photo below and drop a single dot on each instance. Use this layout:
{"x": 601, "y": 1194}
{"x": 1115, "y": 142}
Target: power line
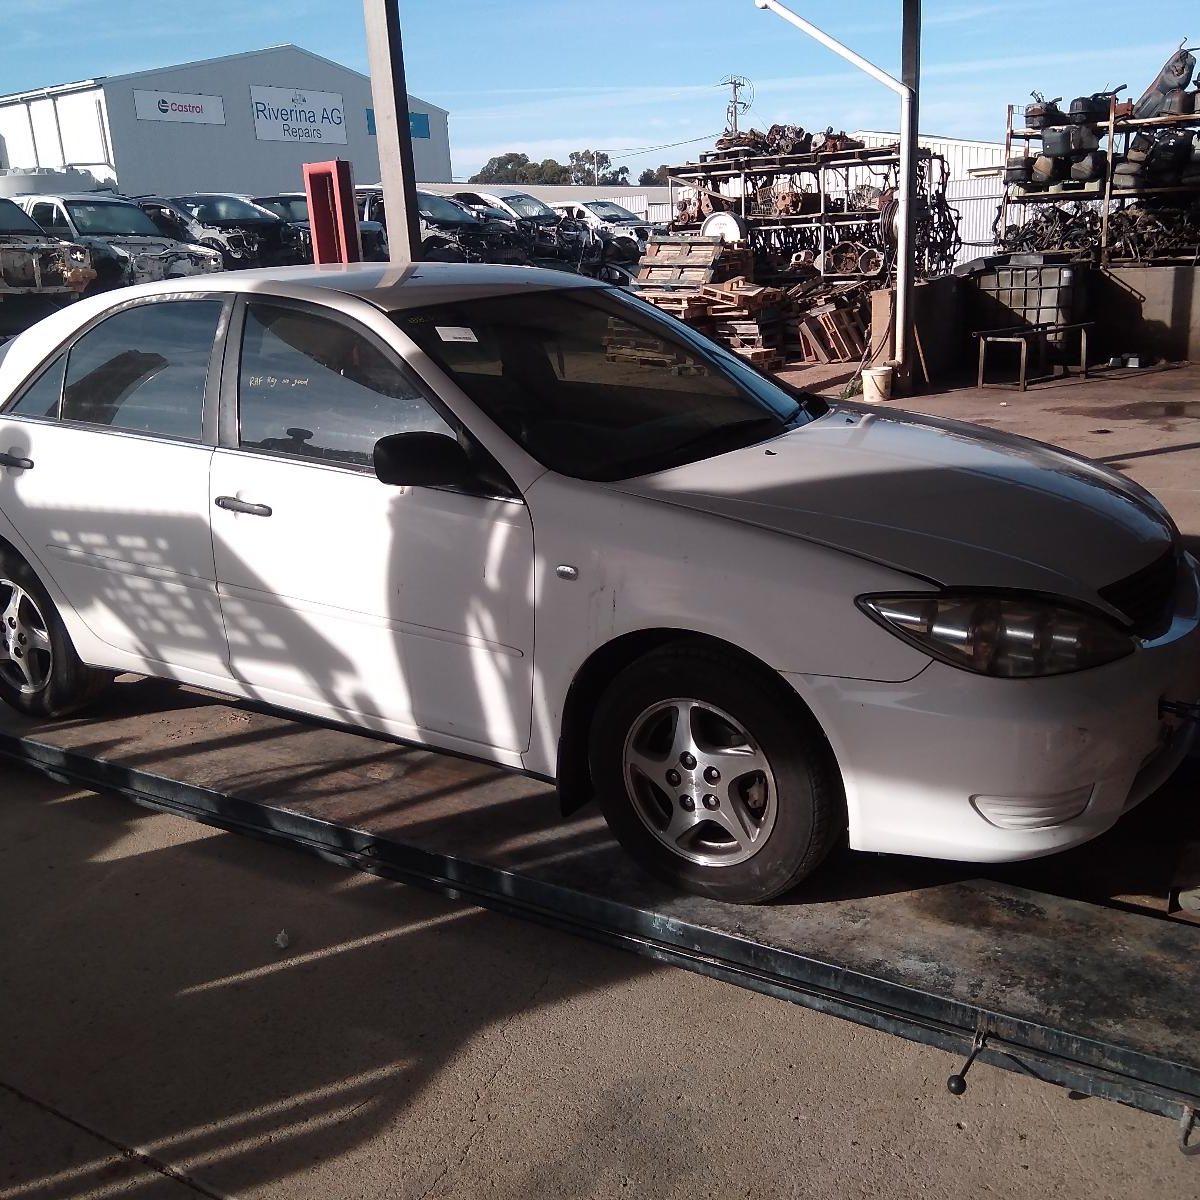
{"x": 631, "y": 151}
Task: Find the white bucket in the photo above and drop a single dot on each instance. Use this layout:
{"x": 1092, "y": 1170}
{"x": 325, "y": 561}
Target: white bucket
{"x": 877, "y": 384}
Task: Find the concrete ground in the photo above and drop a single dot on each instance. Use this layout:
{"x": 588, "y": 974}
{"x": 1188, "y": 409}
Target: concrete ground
{"x": 156, "y": 1041}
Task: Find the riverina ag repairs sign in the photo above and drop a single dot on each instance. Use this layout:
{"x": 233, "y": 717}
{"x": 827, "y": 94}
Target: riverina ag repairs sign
{"x": 296, "y": 115}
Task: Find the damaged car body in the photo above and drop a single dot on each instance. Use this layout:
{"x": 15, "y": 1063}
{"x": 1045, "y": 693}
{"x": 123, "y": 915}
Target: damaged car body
{"x": 450, "y": 232}
{"x": 293, "y": 207}
{"x": 280, "y": 243}
{"x": 34, "y": 265}
{"x": 125, "y": 245}
{"x": 558, "y": 241}
{"x": 238, "y": 248}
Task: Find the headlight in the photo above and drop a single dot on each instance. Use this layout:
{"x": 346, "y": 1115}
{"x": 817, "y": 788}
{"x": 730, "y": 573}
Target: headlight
{"x": 1014, "y": 637}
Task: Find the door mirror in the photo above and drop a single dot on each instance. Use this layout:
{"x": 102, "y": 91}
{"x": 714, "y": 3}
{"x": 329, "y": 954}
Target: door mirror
{"x": 422, "y": 460}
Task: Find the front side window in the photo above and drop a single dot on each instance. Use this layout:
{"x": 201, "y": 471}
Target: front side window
{"x": 598, "y": 385}
{"x": 311, "y": 387}
{"x": 144, "y": 370}
{"x": 50, "y": 217}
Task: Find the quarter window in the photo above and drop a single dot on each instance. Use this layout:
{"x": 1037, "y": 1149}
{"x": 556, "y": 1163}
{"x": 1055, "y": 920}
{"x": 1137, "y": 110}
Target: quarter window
{"x": 145, "y": 369}
{"x": 43, "y": 397}
{"x": 311, "y": 387}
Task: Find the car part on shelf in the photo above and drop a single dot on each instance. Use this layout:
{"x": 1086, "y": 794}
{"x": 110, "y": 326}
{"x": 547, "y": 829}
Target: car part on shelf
{"x": 1175, "y": 74}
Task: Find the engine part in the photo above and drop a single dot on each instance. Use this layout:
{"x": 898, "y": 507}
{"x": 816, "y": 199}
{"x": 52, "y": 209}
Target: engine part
{"x": 1176, "y": 73}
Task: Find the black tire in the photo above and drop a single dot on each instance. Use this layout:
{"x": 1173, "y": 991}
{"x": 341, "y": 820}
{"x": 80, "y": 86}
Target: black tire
{"x": 808, "y": 816}
{"x": 68, "y": 684}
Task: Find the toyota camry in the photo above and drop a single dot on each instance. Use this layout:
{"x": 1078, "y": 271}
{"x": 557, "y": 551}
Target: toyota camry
{"x": 526, "y": 517}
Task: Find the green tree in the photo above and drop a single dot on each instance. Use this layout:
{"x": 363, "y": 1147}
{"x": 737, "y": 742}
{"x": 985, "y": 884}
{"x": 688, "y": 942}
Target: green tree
{"x": 513, "y": 167}
{"x": 654, "y": 178}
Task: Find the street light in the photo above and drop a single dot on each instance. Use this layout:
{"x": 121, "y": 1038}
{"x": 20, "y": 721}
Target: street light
{"x": 907, "y": 91}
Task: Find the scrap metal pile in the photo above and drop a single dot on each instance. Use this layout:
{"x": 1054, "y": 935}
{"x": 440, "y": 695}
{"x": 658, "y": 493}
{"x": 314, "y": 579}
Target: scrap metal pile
{"x": 708, "y": 283}
{"x": 822, "y": 200}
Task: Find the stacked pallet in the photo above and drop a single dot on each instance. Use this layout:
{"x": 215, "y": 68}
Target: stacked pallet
{"x": 706, "y": 283}
{"x": 825, "y": 326}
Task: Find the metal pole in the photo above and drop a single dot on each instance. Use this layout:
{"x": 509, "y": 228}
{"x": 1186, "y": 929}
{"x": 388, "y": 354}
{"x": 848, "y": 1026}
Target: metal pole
{"x": 389, "y": 92}
{"x": 910, "y": 129}
{"x": 908, "y": 145}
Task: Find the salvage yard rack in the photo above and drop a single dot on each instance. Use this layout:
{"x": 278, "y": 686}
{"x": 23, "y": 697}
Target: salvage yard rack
{"x": 845, "y": 198}
{"x": 1116, "y": 133}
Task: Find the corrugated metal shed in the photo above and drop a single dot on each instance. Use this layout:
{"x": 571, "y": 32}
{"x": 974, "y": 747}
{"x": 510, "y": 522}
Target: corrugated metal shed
{"x": 962, "y": 155}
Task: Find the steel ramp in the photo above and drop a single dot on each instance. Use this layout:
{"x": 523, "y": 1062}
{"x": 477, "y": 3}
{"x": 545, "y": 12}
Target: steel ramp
{"x": 1078, "y": 994}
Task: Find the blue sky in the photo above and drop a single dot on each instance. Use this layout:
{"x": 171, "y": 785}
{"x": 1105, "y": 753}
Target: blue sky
{"x": 549, "y": 76}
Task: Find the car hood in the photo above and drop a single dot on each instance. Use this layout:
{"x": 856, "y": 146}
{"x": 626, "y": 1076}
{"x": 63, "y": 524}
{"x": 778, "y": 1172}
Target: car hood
{"x": 135, "y": 244}
{"x": 28, "y": 241}
{"x": 948, "y": 502}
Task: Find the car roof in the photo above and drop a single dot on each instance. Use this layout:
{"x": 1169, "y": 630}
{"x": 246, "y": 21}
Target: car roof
{"x": 104, "y": 197}
{"x": 388, "y": 286}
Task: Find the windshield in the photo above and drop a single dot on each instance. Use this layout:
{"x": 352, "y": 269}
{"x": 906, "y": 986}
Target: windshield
{"x": 606, "y": 210}
{"x": 529, "y": 206}
{"x": 108, "y": 218}
{"x": 290, "y": 208}
{"x": 16, "y": 220}
{"x": 225, "y": 208}
{"x": 438, "y": 208}
{"x": 598, "y": 385}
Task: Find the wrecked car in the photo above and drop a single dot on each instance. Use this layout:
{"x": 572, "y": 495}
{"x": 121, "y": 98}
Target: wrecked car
{"x": 558, "y": 241}
{"x": 280, "y": 243}
{"x": 125, "y": 245}
{"x": 35, "y": 266}
{"x": 237, "y": 248}
{"x": 615, "y": 223}
{"x": 452, "y": 233}
{"x": 293, "y": 206}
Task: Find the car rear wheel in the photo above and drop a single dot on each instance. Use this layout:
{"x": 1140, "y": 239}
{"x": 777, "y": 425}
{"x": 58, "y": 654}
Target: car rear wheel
{"x": 713, "y": 777}
{"x": 40, "y": 673}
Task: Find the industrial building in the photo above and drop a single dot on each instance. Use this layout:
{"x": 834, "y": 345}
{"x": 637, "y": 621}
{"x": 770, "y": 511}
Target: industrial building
{"x": 243, "y": 123}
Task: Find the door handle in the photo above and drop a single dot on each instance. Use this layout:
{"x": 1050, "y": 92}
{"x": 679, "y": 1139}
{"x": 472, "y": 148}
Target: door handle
{"x": 233, "y": 504}
{"x": 15, "y": 460}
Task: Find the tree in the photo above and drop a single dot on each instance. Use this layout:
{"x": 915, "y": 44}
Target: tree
{"x": 594, "y": 166}
{"x": 654, "y": 178}
{"x": 515, "y": 167}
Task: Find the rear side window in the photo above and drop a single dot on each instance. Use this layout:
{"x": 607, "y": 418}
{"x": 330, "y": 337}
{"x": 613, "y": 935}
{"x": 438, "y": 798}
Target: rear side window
{"x": 144, "y": 370}
{"x": 311, "y": 387}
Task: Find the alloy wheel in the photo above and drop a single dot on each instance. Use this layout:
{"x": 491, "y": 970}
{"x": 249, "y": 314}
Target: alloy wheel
{"x": 26, "y": 654}
{"x": 699, "y": 782}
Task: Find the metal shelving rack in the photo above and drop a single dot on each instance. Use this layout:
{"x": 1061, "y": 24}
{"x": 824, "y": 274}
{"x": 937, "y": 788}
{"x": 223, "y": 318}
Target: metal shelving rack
{"x": 830, "y": 175}
{"x": 1104, "y": 192}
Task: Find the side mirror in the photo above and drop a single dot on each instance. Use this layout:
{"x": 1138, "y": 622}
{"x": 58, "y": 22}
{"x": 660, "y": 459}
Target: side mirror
{"x": 422, "y": 460}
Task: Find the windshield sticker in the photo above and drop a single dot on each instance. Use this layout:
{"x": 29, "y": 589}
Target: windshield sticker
{"x": 455, "y": 333}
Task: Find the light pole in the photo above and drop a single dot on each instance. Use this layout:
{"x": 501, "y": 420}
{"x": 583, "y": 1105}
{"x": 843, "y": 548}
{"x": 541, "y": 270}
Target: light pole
{"x": 909, "y": 125}
{"x": 389, "y": 94}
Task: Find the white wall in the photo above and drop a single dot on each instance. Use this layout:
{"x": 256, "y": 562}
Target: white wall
{"x": 176, "y": 157}
{"x": 57, "y": 130}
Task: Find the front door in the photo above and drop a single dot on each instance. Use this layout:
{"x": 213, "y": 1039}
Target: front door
{"x": 409, "y": 609}
{"x": 115, "y": 505}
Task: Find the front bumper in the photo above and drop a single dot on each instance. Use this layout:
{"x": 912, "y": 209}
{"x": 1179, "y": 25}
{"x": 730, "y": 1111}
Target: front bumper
{"x": 923, "y": 761}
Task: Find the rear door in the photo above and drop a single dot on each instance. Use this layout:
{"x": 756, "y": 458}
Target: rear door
{"x": 115, "y": 505}
{"x": 405, "y": 608}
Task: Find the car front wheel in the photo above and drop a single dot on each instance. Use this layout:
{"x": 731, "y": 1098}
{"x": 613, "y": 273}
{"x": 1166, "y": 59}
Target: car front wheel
{"x": 40, "y": 673}
{"x": 712, "y": 777}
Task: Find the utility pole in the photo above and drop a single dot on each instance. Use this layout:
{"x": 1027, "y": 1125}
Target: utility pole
{"x": 389, "y": 93}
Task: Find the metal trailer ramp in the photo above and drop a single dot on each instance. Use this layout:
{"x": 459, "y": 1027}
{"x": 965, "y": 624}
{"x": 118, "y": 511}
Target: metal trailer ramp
{"x": 1081, "y": 995}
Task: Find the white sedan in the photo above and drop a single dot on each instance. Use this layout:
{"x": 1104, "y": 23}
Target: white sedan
{"x": 528, "y": 518}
